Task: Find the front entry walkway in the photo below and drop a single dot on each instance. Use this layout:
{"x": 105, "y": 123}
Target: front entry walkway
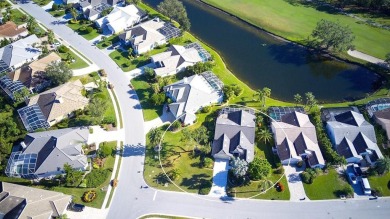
{"x": 297, "y": 192}
{"x": 220, "y": 174}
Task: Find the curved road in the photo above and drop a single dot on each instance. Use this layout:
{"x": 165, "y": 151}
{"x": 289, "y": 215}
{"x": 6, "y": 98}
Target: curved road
{"x": 131, "y": 202}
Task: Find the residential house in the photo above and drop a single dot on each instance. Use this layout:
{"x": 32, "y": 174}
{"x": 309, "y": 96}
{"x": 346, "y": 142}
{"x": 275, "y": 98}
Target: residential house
{"x": 18, "y": 201}
{"x": 353, "y": 137}
{"x": 52, "y": 106}
{"x": 120, "y": 18}
{"x": 177, "y": 58}
{"x": 19, "y": 52}
{"x": 43, "y": 154}
{"x": 379, "y": 110}
{"x": 234, "y": 134}
{"x": 148, "y": 35}
{"x": 191, "y": 94}
{"x": 11, "y": 31}
{"x": 296, "y": 140}
{"x": 30, "y": 76}
{"x": 92, "y": 8}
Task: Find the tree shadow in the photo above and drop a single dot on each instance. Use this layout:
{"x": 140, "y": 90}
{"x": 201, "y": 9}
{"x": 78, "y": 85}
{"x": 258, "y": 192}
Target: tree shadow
{"x": 195, "y": 181}
{"x": 133, "y": 150}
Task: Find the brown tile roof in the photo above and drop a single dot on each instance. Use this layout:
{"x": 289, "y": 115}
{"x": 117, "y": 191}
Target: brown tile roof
{"x": 10, "y": 29}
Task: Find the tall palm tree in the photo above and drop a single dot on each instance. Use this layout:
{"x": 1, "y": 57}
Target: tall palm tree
{"x": 74, "y": 13}
{"x": 265, "y": 135}
{"x": 298, "y": 99}
{"x": 155, "y": 136}
{"x": 383, "y": 165}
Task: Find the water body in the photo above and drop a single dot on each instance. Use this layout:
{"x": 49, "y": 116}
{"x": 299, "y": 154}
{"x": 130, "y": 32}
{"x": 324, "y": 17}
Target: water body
{"x": 261, "y": 60}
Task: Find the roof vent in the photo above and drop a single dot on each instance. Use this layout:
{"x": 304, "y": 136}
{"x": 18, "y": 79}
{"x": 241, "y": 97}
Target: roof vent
{"x": 23, "y": 144}
{"x": 59, "y": 99}
{"x": 185, "y": 80}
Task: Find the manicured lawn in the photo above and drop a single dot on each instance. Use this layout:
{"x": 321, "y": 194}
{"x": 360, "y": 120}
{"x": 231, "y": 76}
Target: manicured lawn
{"x": 58, "y": 13}
{"x": 17, "y": 17}
{"x": 177, "y": 154}
{"x": 79, "y": 63}
{"x": 254, "y": 188}
{"x": 111, "y": 39}
{"x": 296, "y": 22}
{"x": 144, "y": 92}
{"x": 151, "y": 216}
{"x": 325, "y": 186}
{"x": 87, "y": 36}
{"x": 381, "y": 184}
{"x": 121, "y": 58}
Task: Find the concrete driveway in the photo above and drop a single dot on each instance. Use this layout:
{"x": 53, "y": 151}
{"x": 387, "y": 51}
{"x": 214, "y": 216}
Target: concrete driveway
{"x": 220, "y": 174}
{"x": 297, "y": 191}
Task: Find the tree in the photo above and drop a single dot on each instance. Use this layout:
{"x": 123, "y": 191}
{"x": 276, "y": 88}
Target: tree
{"x": 263, "y": 94}
{"x": 382, "y": 165}
{"x": 63, "y": 216}
{"x": 130, "y": 52}
{"x": 54, "y": 7}
{"x": 238, "y": 167}
{"x": 105, "y": 150}
{"x": 135, "y": 2}
{"x": 259, "y": 169}
{"x": 265, "y": 135}
{"x": 97, "y": 108}
{"x": 74, "y": 13}
{"x": 21, "y": 95}
{"x": 332, "y": 35}
{"x": 228, "y": 92}
{"x": 149, "y": 72}
{"x": 58, "y": 73}
{"x": 310, "y": 100}
{"x": 198, "y": 137}
{"x": 32, "y": 24}
{"x": 387, "y": 60}
{"x": 4, "y": 42}
{"x": 155, "y": 136}
{"x": 298, "y": 99}
{"x": 175, "y": 9}
{"x": 72, "y": 177}
{"x": 174, "y": 174}
{"x": 158, "y": 98}
{"x": 155, "y": 87}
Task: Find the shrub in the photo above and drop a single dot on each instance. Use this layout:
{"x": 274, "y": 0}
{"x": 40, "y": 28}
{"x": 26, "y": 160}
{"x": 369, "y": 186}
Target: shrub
{"x": 83, "y": 184}
{"x": 158, "y": 99}
{"x": 88, "y": 29}
{"x": 306, "y": 178}
{"x": 109, "y": 120}
{"x": 259, "y": 168}
{"x": 89, "y": 196}
{"x": 208, "y": 162}
{"x": 63, "y": 49}
{"x": 103, "y": 73}
{"x": 105, "y": 150}
{"x": 54, "y": 7}
{"x": 206, "y": 109}
{"x": 176, "y": 125}
{"x": 114, "y": 183}
{"x": 279, "y": 170}
{"x": 300, "y": 164}
{"x": 96, "y": 177}
{"x": 205, "y": 188}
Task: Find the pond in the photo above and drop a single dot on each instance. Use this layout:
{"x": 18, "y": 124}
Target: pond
{"x": 261, "y": 60}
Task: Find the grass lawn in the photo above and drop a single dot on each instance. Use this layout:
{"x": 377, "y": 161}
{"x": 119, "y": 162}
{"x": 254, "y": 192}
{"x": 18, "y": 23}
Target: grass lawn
{"x": 144, "y": 92}
{"x": 111, "y": 39}
{"x": 79, "y": 63}
{"x": 58, "y": 13}
{"x": 381, "y": 184}
{"x": 177, "y": 154}
{"x": 18, "y": 17}
{"x": 296, "y": 22}
{"x": 325, "y": 186}
{"x": 121, "y": 58}
{"x": 151, "y": 216}
{"x": 87, "y": 36}
{"x": 42, "y": 2}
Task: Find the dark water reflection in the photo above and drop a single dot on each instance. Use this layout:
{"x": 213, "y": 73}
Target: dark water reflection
{"x": 261, "y": 60}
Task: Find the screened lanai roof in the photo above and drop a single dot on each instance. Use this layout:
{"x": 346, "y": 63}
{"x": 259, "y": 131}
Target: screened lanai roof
{"x": 277, "y": 112}
{"x": 202, "y": 52}
{"x": 33, "y": 118}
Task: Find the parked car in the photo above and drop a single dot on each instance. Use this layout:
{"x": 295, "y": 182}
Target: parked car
{"x": 76, "y": 207}
{"x": 366, "y": 186}
{"x": 357, "y": 170}
{"x": 352, "y": 178}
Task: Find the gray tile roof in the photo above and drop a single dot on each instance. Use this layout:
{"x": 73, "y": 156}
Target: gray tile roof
{"x": 352, "y": 135}
{"x": 295, "y": 136}
{"x": 235, "y": 135}
{"x": 56, "y": 148}
{"x": 27, "y": 202}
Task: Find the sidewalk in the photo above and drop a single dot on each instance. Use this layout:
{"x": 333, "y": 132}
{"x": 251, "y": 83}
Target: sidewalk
{"x": 297, "y": 192}
{"x": 368, "y": 58}
{"x": 86, "y": 70}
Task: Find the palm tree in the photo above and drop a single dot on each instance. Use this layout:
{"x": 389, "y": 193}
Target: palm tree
{"x": 263, "y": 94}
{"x": 298, "y": 99}
{"x": 383, "y": 165}
{"x": 265, "y": 184}
{"x": 155, "y": 136}
{"x": 50, "y": 36}
{"x": 155, "y": 88}
{"x": 265, "y": 135}
{"x": 74, "y": 13}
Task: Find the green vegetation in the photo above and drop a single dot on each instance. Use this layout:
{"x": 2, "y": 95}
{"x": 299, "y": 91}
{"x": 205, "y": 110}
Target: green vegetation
{"x": 175, "y": 10}
{"x": 182, "y": 159}
{"x": 42, "y": 2}
{"x": 4, "y": 4}
{"x": 296, "y": 22}
{"x": 151, "y": 216}
{"x": 68, "y": 56}
{"x": 327, "y": 186}
{"x": 107, "y": 41}
{"x": 119, "y": 109}
{"x": 59, "y": 13}
{"x": 381, "y": 184}
{"x": 84, "y": 28}
{"x": 58, "y": 73}
{"x": 97, "y": 177}
{"x": 18, "y": 17}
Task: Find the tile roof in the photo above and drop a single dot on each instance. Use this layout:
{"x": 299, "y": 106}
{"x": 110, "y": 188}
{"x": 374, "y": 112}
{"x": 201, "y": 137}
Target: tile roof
{"x": 38, "y": 203}
{"x": 235, "y": 135}
{"x": 10, "y": 29}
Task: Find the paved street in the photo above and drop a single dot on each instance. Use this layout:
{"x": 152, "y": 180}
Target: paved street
{"x": 130, "y": 201}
